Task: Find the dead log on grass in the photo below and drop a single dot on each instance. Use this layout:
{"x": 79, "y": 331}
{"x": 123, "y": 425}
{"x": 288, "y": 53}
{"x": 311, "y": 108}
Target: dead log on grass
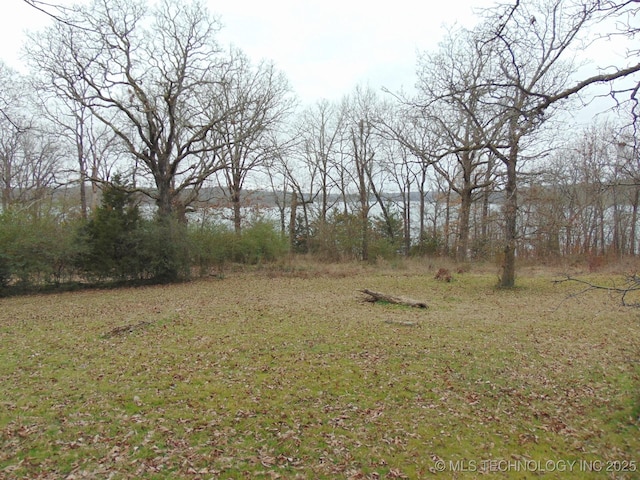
{"x": 383, "y": 297}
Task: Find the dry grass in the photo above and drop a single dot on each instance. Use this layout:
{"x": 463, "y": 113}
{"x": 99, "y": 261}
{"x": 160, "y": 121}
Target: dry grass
{"x": 287, "y": 373}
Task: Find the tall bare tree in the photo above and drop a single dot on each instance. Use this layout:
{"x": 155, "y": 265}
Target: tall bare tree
{"x": 30, "y": 157}
{"x": 260, "y": 101}
{"x": 406, "y": 174}
{"x": 320, "y": 128}
{"x": 92, "y": 143}
{"x": 452, "y": 103}
{"x": 154, "y": 75}
{"x": 532, "y": 47}
{"x": 361, "y": 145}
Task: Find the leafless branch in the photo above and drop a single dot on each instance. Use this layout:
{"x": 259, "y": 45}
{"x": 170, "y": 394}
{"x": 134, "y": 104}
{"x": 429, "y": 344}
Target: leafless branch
{"x": 631, "y": 284}
{"x": 54, "y": 11}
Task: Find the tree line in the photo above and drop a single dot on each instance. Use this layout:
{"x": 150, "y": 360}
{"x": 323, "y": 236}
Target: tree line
{"x": 481, "y": 159}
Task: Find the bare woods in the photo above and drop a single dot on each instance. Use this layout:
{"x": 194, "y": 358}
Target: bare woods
{"x": 483, "y": 158}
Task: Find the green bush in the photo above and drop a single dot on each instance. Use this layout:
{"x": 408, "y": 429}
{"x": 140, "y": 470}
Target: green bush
{"x": 393, "y": 231}
{"x": 213, "y": 245}
{"x": 261, "y": 242}
{"x": 110, "y": 242}
{"x": 382, "y": 248}
{"x": 339, "y": 238}
{"x": 59, "y": 250}
{"x": 210, "y": 246}
{"x": 35, "y": 251}
{"x": 5, "y": 270}
{"x": 301, "y": 234}
{"x": 429, "y": 245}
{"x": 163, "y": 251}
{"x": 118, "y": 244}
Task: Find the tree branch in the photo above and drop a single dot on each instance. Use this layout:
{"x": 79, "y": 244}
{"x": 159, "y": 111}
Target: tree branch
{"x": 632, "y": 284}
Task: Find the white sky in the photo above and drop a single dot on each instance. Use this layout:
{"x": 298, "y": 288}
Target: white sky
{"x": 325, "y": 47}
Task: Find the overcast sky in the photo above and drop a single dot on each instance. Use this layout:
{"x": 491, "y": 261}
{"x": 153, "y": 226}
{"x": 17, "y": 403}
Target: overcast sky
{"x": 325, "y": 47}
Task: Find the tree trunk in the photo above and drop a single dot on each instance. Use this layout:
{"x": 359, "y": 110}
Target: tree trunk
{"x": 6, "y": 190}
{"x": 292, "y": 221}
{"x": 235, "y": 187}
{"x": 237, "y": 213}
{"x": 362, "y": 157}
{"x": 82, "y": 166}
{"x": 324, "y": 197}
{"x": 365, "y": 230}
{"x": 422, "y": 209}
{"x": 447, "y": 222}
{"x": 385, "y": 212}
{"x": 634, "y": 221}
{"x": 463, "y": 224}
{"x": 486, "y": 198}
{"x": 602, "y": 240}
{"x": 508, "y": 278}
{"x": 164, "y": 200}
{"x": 407, "y": 220}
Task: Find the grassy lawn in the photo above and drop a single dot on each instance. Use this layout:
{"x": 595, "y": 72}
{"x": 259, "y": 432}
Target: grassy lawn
{"x": 290, "y": 374}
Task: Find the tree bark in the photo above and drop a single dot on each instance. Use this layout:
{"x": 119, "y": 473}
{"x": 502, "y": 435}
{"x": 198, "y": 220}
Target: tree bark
{"x": 292, "y": 221}
{"x": 383, "y": 297}
{"x": 634, "y": 222}
{"x": 508, "y": 278}
{"x": 462, "y": 247}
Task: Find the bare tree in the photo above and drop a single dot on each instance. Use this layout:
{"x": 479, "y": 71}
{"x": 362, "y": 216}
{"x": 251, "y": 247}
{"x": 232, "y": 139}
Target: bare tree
{"x": 452, "y": 103}
{"x": 51, "y": 9}
{"x": 299, "y": 176}
{"x": 361, "y": 144}
{"x": 154, "y": 75}
{"x": 259, "y": 98}
{"x": 628, "y": 157}
{"x": 363, "y": 156}
{"x": 315, "y": 169}
{"x": 531, "y": 50}
{"x": 92, "y": 143}
{"x": 30, "y": 158}
{"x": 584, "y": 200}
{"x": 407, "y": 177}
{"x": 320, "y": 131}
{"x": 413, "y": 126}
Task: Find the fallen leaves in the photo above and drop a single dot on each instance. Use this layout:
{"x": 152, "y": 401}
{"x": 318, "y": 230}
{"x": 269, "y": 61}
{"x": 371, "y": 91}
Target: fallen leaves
{"x": 298, "y": 381}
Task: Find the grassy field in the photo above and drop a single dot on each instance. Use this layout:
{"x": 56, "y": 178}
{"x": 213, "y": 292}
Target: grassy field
{"x": 288, "y": 373}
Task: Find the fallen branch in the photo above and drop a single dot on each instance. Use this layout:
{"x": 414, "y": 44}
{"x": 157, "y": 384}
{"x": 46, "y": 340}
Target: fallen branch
{"x": 383, "y": 297}
{"x": 632, "y": 284}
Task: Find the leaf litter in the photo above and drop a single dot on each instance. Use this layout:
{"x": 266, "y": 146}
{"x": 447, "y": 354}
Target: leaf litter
{"x": 280, "y": 377}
